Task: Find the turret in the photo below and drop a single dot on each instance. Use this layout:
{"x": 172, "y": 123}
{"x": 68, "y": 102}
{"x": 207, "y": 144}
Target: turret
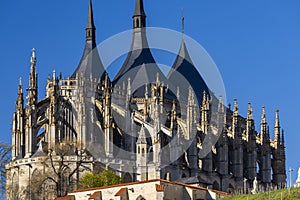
{"x": 238, "y": 145}
{"x": 141, "y": 155}
{"x": 251, "y": 153}
{"x": 139, "y": 17}
{"x": 204, "y": 113}
{"x": 263, "y": 126}
{"x": 18, "y": 124}
{"x": 31, "y": 110}
{"x": 265, "y": 154}
{"x": 107, "y": 117}
{"x": 207, "y": 158}
{"x": 278, "y": 158}
{"x": 90, "y": 28}
{"x": 222, "y": 144}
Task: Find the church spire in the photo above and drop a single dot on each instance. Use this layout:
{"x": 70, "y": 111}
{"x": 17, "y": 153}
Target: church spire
{"x": 139, "y": 17}
{"x": 250, "y": 112}
{"x": 263, "y": 126}
{"x": 20, "y": 99}
{"x": 90, "y": 28}
{"x": 277, "y": 129}
{"x": 32, "y": 89}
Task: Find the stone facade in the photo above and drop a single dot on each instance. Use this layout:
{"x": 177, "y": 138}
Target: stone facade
{"x": 89, "y": 122}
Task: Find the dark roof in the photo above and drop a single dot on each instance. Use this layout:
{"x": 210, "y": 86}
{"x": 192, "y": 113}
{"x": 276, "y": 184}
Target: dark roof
{"x": 139, "y": 8}
{"x": 184, "y": 74}
{"x": 90, "y": 63}
{"x": 138, "y": 55}
{"x": 139, "y": 65}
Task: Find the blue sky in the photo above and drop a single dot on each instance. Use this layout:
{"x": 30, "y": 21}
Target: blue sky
{"x": 255, "y": 45}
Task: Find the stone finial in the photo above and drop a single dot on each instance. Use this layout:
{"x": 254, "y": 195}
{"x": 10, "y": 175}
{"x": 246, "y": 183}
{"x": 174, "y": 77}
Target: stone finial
{"x": 33, "y": 56}
{"x": 221, "y": 105}
{"x": 250, "y": 112}
{"x": 235, "y": 108}
{"x": 263, "y": 115}
{"x": 277, "y": 123}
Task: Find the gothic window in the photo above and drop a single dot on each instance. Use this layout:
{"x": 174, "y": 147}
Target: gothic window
{"x": 65, "y": 182}
{"x": 216, "y": 185}
{"x": 168, "y": 176}
{"x": 137, "y": 23}
{"x": 230, "y": 189}
{"x": 36, "y": 184}
{"x": 127, "y": 178}
{"x": 143, "y": 151}
{"x": 15, "y": 186}
{"x": 139, "y": 150}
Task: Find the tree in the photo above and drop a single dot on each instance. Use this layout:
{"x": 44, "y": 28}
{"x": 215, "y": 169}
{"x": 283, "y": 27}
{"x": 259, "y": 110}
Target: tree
{"x": 5, "y": 158}
{"x": 89, "y": 180}
{"x": 92, "y": 180}
{"x": 62, "y": 167}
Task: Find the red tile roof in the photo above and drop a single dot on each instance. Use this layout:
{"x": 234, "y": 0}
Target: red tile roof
{"x": 69, "y": 197}
{"x": 151, "y": 181}
{"x": 121, "y": 191}
{"x": 95, "y": 194}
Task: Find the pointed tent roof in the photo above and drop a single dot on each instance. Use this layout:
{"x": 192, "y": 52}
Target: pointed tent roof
{"x": 183, "y": 67}
{"x": 142, "y": 136}
{"x": 139, "y": 59}
{"x": 90, "y": 62}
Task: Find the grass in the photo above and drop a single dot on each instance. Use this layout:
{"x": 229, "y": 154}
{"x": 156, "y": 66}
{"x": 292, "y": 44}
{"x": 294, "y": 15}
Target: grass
{"x": 286, "y": 194}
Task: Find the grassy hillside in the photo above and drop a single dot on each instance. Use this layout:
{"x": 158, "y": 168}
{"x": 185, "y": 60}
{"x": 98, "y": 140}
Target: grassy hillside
{"x": 286, "y": 194}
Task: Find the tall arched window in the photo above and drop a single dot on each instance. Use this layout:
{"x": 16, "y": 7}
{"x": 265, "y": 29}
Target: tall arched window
{"x": 36, "y": 184}
{"x": 15, "y": 187}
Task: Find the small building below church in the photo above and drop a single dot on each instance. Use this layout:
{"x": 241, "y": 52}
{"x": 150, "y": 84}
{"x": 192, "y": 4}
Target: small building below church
{"x": 156, "y": 189}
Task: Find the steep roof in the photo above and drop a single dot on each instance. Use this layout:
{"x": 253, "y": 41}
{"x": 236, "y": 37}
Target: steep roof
{"x": 90, "y": 63}
{"x": 139, "y": 65}
{"x": 184, "y": 74}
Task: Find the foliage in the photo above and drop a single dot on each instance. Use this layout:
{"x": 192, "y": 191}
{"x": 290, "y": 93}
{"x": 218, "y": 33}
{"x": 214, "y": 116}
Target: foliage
{"x": 287, "y": 194}
{"x": 89, "y": 180}
{"x": 92, "y": 180}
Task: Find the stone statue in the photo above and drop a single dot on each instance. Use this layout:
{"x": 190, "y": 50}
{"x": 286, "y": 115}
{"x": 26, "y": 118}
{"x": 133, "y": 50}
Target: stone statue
{"x": 297, "y": 184}
{"x": 255, "y": 184}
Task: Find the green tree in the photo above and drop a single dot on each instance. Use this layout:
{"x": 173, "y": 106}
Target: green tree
{"x": 105, "y": 178}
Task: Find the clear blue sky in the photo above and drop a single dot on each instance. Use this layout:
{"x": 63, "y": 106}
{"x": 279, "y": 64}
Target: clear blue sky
{"x": 255, "y": 45}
